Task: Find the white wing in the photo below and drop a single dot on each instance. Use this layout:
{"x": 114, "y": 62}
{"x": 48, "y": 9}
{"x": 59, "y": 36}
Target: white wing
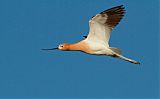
{"x": 102, "y": 24}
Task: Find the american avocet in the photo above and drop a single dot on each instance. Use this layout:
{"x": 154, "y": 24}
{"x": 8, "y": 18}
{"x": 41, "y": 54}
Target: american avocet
{"x": 96, "y": 42}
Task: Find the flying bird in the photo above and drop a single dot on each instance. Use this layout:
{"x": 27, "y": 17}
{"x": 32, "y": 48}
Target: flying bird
{"x": 97, "y": 41}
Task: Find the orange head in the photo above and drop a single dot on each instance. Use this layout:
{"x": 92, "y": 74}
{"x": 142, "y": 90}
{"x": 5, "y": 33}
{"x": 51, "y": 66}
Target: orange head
{"x": 64, "y": 46}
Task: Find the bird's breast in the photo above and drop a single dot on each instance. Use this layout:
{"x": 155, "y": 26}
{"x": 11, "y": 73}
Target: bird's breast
{"x": 91, "y": 47}
{"x": 97, "y": 48}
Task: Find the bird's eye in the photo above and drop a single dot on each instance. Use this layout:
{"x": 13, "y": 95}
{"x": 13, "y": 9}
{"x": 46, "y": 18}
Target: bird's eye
{"x": 61, "y": 45}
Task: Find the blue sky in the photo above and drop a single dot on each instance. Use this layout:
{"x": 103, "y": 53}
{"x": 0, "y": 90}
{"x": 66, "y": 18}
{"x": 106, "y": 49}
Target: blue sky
{"x": 26, "y": 71}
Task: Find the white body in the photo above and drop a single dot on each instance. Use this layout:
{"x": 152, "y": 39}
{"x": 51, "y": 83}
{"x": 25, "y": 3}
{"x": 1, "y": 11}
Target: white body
{"x": 101, "y": 26}
{"x": 98, "y": 47}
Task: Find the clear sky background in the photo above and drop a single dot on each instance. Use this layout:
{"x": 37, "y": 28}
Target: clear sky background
{"x": 27, "y": 26}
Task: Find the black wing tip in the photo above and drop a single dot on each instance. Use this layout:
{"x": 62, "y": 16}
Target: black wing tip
{"x": 120, "y": 7}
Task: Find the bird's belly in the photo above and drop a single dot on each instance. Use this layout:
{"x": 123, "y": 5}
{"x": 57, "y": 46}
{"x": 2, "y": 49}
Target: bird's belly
{"x": 103, "y": 52}
{"x": 99, "y": 49}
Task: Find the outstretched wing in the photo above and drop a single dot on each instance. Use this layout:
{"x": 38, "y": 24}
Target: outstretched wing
{"x": 102, "y": 24}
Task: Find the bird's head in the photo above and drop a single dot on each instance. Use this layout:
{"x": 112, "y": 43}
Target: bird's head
{"x": 64, "y": 46}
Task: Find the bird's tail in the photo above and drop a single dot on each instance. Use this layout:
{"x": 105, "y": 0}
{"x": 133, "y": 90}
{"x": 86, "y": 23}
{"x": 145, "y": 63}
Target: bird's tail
{"x": 127, "y": 59}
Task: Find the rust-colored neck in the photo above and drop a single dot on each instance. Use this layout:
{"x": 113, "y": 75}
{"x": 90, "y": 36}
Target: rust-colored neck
{"x": 76, "y": 46}
{"x": 80, "y": 46}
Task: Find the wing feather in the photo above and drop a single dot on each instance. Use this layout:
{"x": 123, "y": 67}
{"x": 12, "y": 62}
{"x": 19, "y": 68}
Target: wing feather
{"x": 102, "y": 24}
